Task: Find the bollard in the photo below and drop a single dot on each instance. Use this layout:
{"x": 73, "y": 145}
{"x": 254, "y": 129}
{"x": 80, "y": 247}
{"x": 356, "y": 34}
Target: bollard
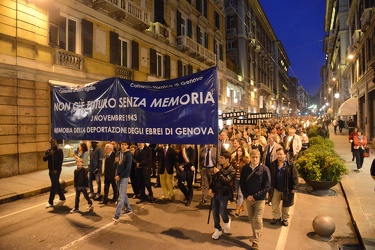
{"x": 324, "y": 225}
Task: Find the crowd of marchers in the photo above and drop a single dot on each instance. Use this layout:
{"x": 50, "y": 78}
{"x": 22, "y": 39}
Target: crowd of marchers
{"x": 252, "y": 165}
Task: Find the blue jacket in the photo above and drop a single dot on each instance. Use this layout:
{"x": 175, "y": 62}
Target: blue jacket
{"x": 124, "y": 167}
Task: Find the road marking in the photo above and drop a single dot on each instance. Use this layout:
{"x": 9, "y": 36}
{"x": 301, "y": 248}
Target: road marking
{"x": 87, "y": 236}
{"x": 26, "y": 209}
{"x": 285, "y": 230}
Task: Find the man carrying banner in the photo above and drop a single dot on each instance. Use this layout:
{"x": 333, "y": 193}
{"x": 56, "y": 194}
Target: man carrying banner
{"x": 185, "y": 171}
{"x": 143, "y": 160}
{"x": 95, "y": 169}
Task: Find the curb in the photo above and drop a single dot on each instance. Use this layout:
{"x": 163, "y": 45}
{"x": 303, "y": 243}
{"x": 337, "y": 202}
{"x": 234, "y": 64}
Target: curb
{"x": 31, "y": 193}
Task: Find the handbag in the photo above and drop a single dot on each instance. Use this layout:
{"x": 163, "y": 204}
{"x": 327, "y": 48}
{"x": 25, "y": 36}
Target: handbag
{"x": 366, "y": 152}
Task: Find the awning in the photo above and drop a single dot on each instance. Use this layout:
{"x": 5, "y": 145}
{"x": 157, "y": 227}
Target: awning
{"x": 349, "y": 107}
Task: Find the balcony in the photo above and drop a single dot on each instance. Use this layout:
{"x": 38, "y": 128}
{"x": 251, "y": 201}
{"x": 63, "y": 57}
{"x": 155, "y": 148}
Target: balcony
{"x": 221, "y": 65}
{"x": 192, "y": 48}
{"x": 123, "y": 10}
{"x": 124, "y": 72}
{"x": 231, "y": 32}
{"x": 356, "y": 37}
{"x": 160, "y": 31}
{"x": 365, "y": 19}
{"x": 68, "y": 59}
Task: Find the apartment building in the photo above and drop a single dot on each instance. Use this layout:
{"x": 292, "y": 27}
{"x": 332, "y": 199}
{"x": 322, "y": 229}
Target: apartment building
{"x": 46, "y": 43}
{"x": 350, "y": 48}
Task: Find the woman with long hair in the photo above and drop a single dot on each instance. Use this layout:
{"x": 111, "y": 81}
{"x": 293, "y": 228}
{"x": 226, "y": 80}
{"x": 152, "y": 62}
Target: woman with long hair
{"x": 82, "y": 153}
{"x": 240, "y": 159}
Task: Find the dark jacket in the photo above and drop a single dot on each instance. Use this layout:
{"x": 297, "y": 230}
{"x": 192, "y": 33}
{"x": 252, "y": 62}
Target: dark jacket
{"x": 372, "y": 170}
{"x": 124, "y": 167}
{"x": 80, "y": 178}
{"x": 222, "y": 180}
{"x": 166, "y": 162}
{"x": 258, "y": 184}
{"x": 190, "y": 151}
{"x": 290, "y": 181}
{"x": 109, "y": 166}
{"x": 144, "y": 157}
{"x": 96, "y": 156}
{"x": 55, "y": 161}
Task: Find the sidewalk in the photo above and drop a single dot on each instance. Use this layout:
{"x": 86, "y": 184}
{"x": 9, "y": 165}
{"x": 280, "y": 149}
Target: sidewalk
{"x": 356, "y": 191}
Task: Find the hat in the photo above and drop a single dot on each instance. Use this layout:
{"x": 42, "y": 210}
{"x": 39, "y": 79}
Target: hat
{"x": 94, "y": 141}
{"x": 243, "y": 139}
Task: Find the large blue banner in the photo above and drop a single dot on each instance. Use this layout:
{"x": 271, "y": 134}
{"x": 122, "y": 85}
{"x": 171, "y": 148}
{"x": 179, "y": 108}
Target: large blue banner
{"x": 178, "y": 111}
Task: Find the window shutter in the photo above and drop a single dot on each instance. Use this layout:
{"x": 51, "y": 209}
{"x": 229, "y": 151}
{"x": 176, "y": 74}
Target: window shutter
{"x": 198, "y": 5}
{"x": 87, "y": 37}
{"x": 114, "y": 48}
{"x": 190, "y": 69}
{"x": 153, "y": 62}
{"x": 179, "y": 68}
{"x": 190, "y": 28}
{"x": 167, "y": 66}
{"x": 198, "y": 33}
{"x": 205, "y": 8}
{"x": 53, "y": 18}
{"x": 178, "y": 23}
{"x": 135, "y": 55}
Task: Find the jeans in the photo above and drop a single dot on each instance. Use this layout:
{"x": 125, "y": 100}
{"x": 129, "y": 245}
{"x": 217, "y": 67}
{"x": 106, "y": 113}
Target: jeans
{"x": 55, "y": 187}
{"x": 80, "y": 190}
{"x": 255, "y": 210}
{"x": 239, "y": 192}
{"x": 95, "y": 177}
{"x": 123, "y": 197}
{"x": 219, "y": 208}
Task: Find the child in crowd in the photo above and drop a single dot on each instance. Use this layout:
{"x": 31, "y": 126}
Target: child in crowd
{"x": 81, "y": 184}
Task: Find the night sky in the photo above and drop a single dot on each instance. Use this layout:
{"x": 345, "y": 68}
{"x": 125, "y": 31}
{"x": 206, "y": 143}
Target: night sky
{"x": 299, "y": 25}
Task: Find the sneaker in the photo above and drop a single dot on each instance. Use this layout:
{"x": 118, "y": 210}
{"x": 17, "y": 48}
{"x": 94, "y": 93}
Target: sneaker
{"x": 274, "y": 221}
{"x": 74, "y": 210}
{"x": 115, "y": 219}
{"x": 90, "y": 207}
{"x": 227, "y": 227}
{"x": 59, "y": 202}
{"x": 255, "y": 245}
{"x": 48, "y": 205}
{"x": 360, "y": 169}
{"x": 129, "y": 212}
{"x": 217, "y": 234}
{"x": 202, "y": 202}
{"x": 269, "y": 203}
{"x": 284, "y": 223}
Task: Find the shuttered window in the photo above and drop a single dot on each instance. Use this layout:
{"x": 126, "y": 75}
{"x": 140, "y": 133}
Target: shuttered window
{"x": 87, "y": 37}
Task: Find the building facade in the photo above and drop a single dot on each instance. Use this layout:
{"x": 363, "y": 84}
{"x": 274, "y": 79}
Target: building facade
{"x": 45, "y": 43}
{"x": 350, "y": 48}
